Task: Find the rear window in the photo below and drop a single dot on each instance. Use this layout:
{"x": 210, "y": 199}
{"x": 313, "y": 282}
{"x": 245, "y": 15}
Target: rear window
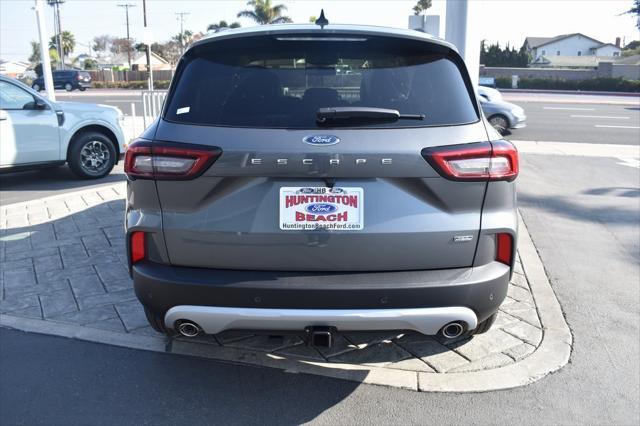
{"x": 281, "y": 81}
{"x": 84, "y": 74}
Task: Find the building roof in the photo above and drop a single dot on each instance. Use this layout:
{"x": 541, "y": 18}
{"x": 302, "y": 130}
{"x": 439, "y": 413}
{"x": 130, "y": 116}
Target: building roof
{"x": 21, "y": 63}
{"x": 606, "y": 44}
{"x": 535, "y": 42}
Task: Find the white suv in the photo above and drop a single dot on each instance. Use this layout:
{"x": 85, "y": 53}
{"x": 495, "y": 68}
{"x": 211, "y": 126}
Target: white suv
{"x": 35, "y": 132}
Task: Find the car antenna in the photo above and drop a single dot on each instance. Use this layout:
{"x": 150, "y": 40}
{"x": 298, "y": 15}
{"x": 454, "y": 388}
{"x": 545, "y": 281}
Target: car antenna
{"x": 322, "y": 21}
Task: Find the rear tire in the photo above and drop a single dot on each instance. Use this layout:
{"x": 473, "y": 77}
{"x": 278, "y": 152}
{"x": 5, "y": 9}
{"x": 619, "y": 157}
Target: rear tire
{"x": 68, "y": 87}
{"x": 36, "y": 87}
{"x": 92, "y": 155}
{"x": 156, "y": 322}
{"x": 82, "y": 89}
{"x": 500, "y": 123}
{"x": 484, "y": 326}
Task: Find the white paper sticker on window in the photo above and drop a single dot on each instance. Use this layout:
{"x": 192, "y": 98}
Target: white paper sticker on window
{"x": 183, "y": 110}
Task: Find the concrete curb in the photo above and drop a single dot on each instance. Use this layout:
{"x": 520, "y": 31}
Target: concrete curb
{"x": 552, "y": 353}
{"x": 121, "y": 186}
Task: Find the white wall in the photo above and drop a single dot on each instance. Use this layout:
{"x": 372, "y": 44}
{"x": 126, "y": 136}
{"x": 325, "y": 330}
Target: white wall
{"x": 607, "y": 50}
{"x": 567, "y": 47}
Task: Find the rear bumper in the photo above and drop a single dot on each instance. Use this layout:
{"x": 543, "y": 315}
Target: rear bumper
{"x": 214, "y": 320}
{"x": 353, "y": 300}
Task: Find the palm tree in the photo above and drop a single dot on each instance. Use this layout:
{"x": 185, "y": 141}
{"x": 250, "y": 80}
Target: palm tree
{"x": 264, "y": 13}
{"x": 421, "y": 6}
{"x": 222, "y": 24}
{"x": 68, "y": 43}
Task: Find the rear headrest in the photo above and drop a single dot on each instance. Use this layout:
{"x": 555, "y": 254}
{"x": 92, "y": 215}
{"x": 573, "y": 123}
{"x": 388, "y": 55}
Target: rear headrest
{"x": 384, "y": 86}
{"x": 321, "y": 96}
{"x": 258, "y": 85}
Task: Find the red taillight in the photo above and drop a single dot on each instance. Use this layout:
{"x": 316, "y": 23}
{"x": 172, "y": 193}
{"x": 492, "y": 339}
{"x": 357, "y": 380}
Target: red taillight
{"x": 161, "y": 160}
{"x": 138, "y": 247}
{"x": 497, "y": 160}
{"x": 504, "y": 248}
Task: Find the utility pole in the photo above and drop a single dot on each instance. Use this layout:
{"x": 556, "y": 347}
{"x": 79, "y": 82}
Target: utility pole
{"x": 126, "y": 8}
{"x": 148, "y": 49}
{"x": 181, "y": 18}
{"x": 57, "y": 28}
{"x": 44, "y": 51}
{"x": 464, "y": 33}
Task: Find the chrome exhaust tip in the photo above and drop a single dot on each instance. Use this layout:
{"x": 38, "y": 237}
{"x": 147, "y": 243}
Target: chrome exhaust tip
{"x": 188, "y": 328}
{"x": 452, "y": 330}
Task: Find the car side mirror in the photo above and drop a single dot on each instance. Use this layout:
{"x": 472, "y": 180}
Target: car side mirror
{"x": 40, "y": 104}
{"x": 37, "y": 104}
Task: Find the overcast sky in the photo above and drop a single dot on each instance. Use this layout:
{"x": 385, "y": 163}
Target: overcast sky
{"x": 500, "y": 20}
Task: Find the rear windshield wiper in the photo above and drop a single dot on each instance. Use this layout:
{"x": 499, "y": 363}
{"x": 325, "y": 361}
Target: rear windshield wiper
{"x": 362, "y": 114}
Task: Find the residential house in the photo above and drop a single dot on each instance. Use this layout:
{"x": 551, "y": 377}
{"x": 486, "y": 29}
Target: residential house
{"x": 13, "y": 68}
{"x": 138, "y": 61}
{"x": 576, "y": 44}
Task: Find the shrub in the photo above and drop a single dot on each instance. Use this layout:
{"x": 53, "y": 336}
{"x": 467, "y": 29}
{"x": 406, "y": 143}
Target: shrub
{"x": 137, "y": 84}
{"x": 605, "y": 84}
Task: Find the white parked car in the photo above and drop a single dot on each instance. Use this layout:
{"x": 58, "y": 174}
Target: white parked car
{"x": 35, "y": 132}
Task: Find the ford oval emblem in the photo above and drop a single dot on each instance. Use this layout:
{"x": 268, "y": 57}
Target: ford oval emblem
{"x": 321, "y": 208}
{"x": 321, "y": 140}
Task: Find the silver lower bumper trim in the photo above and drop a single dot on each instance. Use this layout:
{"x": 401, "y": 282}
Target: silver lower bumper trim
{"x": 214, "y": 320}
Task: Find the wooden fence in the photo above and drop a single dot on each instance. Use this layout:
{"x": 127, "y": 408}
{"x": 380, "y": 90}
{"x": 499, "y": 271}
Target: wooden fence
{"x": 111, "y": 76}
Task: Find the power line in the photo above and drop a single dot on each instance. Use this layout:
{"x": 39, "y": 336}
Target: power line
{"x": 126, "y": 8}
{"x": 57, "y": 28}
{"x": 181, "y": 16}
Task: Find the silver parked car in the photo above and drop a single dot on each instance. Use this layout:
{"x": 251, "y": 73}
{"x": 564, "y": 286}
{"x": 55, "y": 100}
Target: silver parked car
{"x": 279, "y": 192}
{"x": 35, "y": 133}
{"x": 502, "y": 115}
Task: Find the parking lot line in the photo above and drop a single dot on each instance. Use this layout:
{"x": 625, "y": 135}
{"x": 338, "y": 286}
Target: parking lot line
{"x": 570, "y": 108}
{"x": 617, "y": 127}
{"x": 599, "y": 116}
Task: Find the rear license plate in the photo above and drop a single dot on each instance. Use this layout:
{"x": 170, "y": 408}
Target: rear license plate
{"x": 308, "y": 208}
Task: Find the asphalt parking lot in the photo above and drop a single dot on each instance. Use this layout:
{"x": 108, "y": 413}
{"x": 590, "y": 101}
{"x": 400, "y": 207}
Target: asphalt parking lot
{"x": 550, "y": 117}
{"x": 582, "y": 214}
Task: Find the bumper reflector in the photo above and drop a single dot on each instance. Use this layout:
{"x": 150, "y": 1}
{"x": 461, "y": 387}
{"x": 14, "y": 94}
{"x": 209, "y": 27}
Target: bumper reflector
{"x": 504, "y": 248}
{"x": 138, "y": 248}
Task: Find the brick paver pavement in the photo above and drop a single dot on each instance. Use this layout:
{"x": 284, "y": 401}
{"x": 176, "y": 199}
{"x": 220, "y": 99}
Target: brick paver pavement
{"x": 63, "y": 260}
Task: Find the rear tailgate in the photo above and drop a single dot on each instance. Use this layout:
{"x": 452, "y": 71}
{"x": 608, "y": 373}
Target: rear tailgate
{"x": 256, "y": 98}
{"x": 230, "y": 217}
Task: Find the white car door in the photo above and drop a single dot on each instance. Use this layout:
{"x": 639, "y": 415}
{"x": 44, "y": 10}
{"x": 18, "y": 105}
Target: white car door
{"x": 29, "y": 131}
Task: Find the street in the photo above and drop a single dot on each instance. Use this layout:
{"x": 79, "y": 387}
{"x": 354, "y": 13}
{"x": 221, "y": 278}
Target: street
{"x": 583, "y": 216}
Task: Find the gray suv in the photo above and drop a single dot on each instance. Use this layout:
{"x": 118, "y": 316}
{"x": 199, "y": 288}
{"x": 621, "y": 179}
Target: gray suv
{"x": 320, "y": 179}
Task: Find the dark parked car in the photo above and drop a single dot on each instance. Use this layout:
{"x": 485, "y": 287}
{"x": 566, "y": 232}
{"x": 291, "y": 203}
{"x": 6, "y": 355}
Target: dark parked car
{"x": 65, "y": 79}
{"x": 277, "y": 192}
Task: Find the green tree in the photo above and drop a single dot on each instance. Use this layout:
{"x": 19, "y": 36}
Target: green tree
{"x": 102, "y": 43}
{"x": 35, "y": 58}
{"x": 495, "y": 56}
{"x": 68, "y": 43}
{"x": 635, "y": 10}
{"x": 421, "y": 6}
{"x": 222, "y": 24}
{"x": 183, "y": 38}
{"x": 53, "y": 56}
{"x": 90, "y": 64}
{"x": 265, "y": 13}
{"x": 35, "y": 52}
